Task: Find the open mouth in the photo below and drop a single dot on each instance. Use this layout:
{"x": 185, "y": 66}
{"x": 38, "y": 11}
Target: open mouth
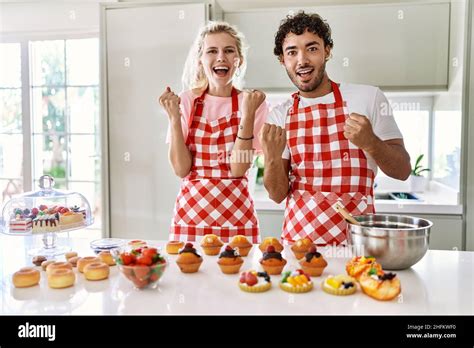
{"x": 221, "y": 71}
{"x": 304, "y": 73}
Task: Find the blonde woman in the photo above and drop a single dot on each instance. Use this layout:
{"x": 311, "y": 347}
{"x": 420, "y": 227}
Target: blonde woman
{"x": 212, "y": 134}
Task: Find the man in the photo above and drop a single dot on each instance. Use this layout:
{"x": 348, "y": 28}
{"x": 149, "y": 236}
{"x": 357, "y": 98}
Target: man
{"x": 323, "y": 145}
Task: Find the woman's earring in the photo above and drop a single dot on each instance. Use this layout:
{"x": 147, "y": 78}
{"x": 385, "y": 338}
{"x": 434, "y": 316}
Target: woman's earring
{"x": 237, "y": 72}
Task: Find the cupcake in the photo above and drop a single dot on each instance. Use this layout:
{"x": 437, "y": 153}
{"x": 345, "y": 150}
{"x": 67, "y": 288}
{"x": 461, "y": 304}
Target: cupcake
{"x": 361, "y": 264}
{"x": 230, "y": 261}
{"x": 173, "y": 247}
{"x": 211, "y": 244}
{"x": 270, "y": 241}
{"x": 380, "y": 285}
{"x": 313, "y": 262}
{"x": 300, "y": 247}
{"x": 296, "y": 281}
{"x": 272, "y": 261}
{"x": 188, "y": 259}
{"x": 252, "y": 281}
{"x": 340, "y": 285}
{"x": 242, "y": 244}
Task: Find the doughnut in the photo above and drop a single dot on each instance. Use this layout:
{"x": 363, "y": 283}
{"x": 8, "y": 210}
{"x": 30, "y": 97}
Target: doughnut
{"x": 73, "y": 261}
{"x": 57, "y": 265}
{"x": 61, "y": 278}
{"x": 38, "y": 260}
{"x": 106, "y": 257}
{"x": 70, "y": 254}
{"x": 96, "y": 271}
{"x": 26, "y": 277}
{"x": 46, "y": 263}
{"x": 83, "y": 261}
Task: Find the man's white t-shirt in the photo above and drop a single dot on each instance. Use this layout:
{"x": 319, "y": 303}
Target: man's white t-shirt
{"x": 361, "y": 99}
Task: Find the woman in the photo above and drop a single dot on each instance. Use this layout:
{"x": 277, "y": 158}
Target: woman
{"x": 212, "y": 134}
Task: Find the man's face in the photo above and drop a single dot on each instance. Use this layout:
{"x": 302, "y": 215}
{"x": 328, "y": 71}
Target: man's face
{"x": 304, "y": 57}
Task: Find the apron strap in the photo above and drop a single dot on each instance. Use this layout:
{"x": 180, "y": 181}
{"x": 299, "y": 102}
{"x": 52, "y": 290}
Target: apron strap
{"x": 198, "y": 105}
{"x": 335, "y": 90}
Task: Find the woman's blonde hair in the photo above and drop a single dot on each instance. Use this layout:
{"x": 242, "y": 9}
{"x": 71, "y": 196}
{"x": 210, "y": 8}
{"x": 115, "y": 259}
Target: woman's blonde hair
{"x": 193, "y": 74}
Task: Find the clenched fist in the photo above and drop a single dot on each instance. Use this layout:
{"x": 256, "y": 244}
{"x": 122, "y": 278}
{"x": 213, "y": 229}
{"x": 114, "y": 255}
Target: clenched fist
{"x": 358, "y": 130}
{"x": 273, "y": 140}
{"x": 252, "y": 99}
{"x": 170, "y": 102}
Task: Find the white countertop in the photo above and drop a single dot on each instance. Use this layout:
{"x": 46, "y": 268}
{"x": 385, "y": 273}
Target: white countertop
{"x": 441, "y": 283}
{"x": 434, "y": 201}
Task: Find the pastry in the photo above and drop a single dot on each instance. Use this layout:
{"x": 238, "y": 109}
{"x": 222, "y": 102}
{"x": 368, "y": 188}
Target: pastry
{"x": 313, "y": 262}
{"x": 380, "y": 285}
{"x": 360, "y": 264}
{"x": 188, "y": 259}
{"x": 230, "y": 261}
{"x": 252, "y": 281}
{"x": 136, "y": 243}
{"x": 270, "y": 241}
{"x": 38, "y": 260}
{"x": 70, "y": 254}
{"x": 296, "y": 281}
{"x": 173, "y": 247}
{"x": 46, "y": 263}
{"x": 242, "y": 244}
{"x": 26, "y": 277}
{"x": 83, "y": 261}
{"x": 106, "y": 257}
{"x": 300, "y": 247}
{"x": 340, "y": 285}
{"x": 272, "y": 261}
{"x": 96, "y": 271}
{"x": 57, "y": 265}
{"x": 73, "y": 261}
{"x": 20, "y": 223}
{"x": 71, "y": 219}
{"x": 211, "y": 244}
{"x": 45, "y": 223}
{"x": 61, "y": 278}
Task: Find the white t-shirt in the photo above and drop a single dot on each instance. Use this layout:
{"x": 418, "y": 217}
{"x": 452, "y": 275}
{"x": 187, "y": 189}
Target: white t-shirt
{"x": 361, "y": 99}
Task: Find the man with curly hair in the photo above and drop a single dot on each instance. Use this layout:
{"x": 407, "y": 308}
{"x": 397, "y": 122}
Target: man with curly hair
{"x": 323, "y": 145}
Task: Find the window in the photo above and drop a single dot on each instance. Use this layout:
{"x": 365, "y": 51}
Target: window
{"x": 63, "y": 123}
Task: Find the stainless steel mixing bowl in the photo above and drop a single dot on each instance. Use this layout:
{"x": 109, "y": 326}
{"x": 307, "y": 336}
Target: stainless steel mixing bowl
{"x": 397, "y": 242}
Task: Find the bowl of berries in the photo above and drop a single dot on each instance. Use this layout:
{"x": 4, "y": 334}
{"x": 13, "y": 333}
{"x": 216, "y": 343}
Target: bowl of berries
{"x": 144, "y": 266}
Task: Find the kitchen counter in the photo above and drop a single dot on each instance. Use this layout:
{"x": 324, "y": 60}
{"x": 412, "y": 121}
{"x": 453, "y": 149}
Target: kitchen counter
{"x": 441, "y": 283}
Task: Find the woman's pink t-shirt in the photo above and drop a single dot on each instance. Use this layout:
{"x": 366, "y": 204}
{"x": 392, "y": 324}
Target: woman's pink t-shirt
{"x": 216, "y": 107}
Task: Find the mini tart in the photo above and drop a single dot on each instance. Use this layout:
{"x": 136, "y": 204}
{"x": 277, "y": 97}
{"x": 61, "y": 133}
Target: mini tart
{"x": 137, "y": 243}
{"x": 380, "y": 285}
{"x": 272, "y": 261}
{"x": 70, "y": 255}
{"x": 106, "y": 257}
{"x": 211, "y": 244}
{"x": 252, "y": 281}
{"x": 340, "y": 285}
{"x": 230, "y": 261}
{"x": 300, "y": 247}
{"x": 361, "y": 264}
{"x": 173, "y": 247}
{"x": 296, "y": 282}
{"x": 242, "y": 244}
{"x": 270, "y": 241}
{"x": 189, "y": 260}
{"x": 313, "y": 263}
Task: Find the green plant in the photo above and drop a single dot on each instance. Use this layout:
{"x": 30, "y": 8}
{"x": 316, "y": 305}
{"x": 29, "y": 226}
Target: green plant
{"x": 418, "y": 169}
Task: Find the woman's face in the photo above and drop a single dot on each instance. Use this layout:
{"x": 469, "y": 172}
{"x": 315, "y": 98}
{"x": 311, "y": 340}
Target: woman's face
{"x": 220, "y": 58}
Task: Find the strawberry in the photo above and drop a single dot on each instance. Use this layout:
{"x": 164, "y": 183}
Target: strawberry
{"x": 64, "y": 210}
{"x": 144, "y": 260}
{"x": 270, "y": 249}
{"x": 151, "y": 252}
{"x": 127, "y": 258}
{"x": 312, "y": 249}
{"x": 141, "y": 272}
{"x": 34, "y": 211}
{"x": 243, "y": 277}
{"x": 188, "y": 245}
{"x": 43, "y": 207}
{"x": 228, "y": 248}
{"x": 251, "y": 279}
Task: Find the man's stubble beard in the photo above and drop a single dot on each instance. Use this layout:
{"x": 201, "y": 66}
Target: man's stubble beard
{"x": 317, "y": 81}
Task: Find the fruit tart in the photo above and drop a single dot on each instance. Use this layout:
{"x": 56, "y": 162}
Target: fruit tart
{"x": 211, "y": 244}
{"x": 253, "y": 281}
{"x": 313, "y": 262}
{"x": 300, "y": 247}
{"x": 242, "y": 244}
{"x": 272, "y": 261}
{"x": 296, "y": 281}
{"x": 230, "y": 261}
{"x": 188, "y": 259}
{"x": 361, "y": 264}
{"x": 380, "y": 285}
{"x": 340, "y": 285}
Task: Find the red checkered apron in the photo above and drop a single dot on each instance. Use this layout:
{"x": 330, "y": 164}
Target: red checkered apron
{"x": 210, "y": 199}
{"x": 325, "y": 168}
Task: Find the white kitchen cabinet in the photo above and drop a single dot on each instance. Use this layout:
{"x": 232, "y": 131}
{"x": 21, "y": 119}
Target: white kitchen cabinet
{"x": 145, "y": 47}
{"x": 446, "y": 233}
{"x": 387, "y": 45}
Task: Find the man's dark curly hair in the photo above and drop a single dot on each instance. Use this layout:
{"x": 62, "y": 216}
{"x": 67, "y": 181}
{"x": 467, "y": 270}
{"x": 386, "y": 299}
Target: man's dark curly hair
{"x": 298, "y": 24}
